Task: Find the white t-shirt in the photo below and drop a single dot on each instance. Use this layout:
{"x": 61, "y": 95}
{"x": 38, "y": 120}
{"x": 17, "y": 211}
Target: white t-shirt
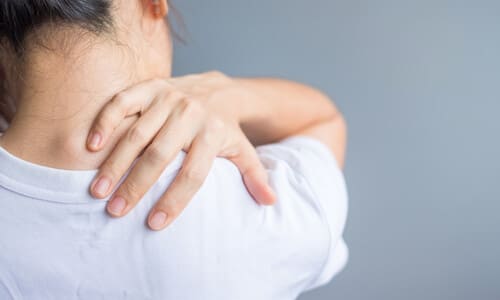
{"x": 57, "y": 242}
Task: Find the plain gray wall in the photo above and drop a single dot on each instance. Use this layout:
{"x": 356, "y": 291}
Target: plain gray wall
{"x": 419, "y": 83}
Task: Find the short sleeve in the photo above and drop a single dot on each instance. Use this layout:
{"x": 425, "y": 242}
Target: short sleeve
{"x": 314, "y": 167}
{"x": 8, "y": 286}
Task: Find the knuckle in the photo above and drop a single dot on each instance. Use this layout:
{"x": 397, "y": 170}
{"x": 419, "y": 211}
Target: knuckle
{"x": 111, "y": 169}
{"x": 213, "y": 132}
{"x": 198, "y": 89}
{"x": 207, "y": 137}
{"x": 176, "y": 94}
{"x": 218, "y": 77}
{"x": 215, "y": 125}
{"x": 103, "y": 122}
{"x": 193, "y": 176}
{"x": 159, "y": 81}
{"x": 137, "y": 135}
{"x": 107, "y": 118}
{"x": 131, "y": 191}
{"x": 154, "y": 154}
{"x": 162, "y": 84}
{"x": 215, "y": 74}
{"x": 192, "y": 108}
{"x": 164, "y": 100}
{"x": 120, "y": 101}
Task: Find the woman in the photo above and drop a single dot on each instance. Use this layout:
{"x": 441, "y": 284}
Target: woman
{"x": 70, "y": 62}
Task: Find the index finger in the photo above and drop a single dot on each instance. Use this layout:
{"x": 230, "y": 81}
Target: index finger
{"x": 126, "y": 103}
{"x": 186, "y": 184}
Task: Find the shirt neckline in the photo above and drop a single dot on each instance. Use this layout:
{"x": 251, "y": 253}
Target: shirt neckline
{"x": 55, "y": 185}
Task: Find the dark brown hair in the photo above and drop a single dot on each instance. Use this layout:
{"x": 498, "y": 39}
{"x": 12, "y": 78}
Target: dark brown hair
{"x": 19, "y": 17}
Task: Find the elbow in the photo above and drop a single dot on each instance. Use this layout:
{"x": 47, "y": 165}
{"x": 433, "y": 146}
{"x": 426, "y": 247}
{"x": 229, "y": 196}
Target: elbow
{"x": 336, "y": 132}
{"x": 338, "y": 138}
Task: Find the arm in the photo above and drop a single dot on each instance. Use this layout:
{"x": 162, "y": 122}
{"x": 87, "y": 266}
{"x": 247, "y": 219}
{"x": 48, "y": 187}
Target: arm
{"x": 206, "y": 115}
{"x": 273, "y": 109}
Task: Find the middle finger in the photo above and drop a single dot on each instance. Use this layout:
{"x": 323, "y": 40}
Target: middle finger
{"x": 131, "y": 145}
{"x": 170, "y": 141}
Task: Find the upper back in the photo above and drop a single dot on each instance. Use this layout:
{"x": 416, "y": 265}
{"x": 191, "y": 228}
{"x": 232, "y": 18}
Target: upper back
{"x": 57, "y": 242}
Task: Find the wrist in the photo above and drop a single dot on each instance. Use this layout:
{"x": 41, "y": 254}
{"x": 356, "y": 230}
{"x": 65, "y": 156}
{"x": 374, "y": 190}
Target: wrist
{"x": 248, "y": 105}
{"x": 236, "y": 101}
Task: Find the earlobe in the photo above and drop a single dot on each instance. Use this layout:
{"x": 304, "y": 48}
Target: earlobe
{"x": 160, "y": 8}
{"x": 154, "y": 13}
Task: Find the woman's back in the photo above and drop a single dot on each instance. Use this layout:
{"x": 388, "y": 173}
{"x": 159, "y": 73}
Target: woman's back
{"x": 58, "y": 243}
{"x": 71, "y": 65}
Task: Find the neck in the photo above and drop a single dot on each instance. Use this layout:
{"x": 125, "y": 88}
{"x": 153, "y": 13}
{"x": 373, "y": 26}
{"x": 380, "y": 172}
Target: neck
{"x": 60, "y": 96}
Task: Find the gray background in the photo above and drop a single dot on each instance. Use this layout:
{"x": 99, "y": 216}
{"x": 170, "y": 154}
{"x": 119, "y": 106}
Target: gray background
{"x": 419, "y": 83}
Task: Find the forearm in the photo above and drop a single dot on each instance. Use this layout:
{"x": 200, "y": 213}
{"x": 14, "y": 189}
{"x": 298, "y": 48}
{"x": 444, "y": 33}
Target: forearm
{"x": 272, "y": 109}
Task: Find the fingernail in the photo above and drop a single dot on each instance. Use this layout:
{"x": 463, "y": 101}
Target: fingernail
{"x": 95, "y": 140}
{"x": 158, "y": 220}
{"x": 102, "y": 186}
{"x": 116, "y": 206}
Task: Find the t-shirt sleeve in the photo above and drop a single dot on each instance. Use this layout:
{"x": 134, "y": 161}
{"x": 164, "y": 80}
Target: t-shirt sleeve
{"x": 311, "y": 190}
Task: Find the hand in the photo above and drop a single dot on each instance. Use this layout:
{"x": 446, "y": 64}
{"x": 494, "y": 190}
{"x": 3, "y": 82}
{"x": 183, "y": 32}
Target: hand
{"x": 175, "y": 114}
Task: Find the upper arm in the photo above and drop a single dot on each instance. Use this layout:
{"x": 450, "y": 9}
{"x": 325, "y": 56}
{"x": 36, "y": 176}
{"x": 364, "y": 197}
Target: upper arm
{"x": 312, "y": 200}
{"x": 332, "y": 133}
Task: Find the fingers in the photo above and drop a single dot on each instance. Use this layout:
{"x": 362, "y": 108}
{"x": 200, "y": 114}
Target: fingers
{"x": 127, "y": 103}
{"x": 195, "y": 169}
{"x": 131, "y": 145}
{"x": 169, "y": 142}
{"x": 254, "y": 174}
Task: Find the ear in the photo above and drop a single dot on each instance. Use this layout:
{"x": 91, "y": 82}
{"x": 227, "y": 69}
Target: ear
{"x": 153, "y": 15}
{"x": 156, "y": 8}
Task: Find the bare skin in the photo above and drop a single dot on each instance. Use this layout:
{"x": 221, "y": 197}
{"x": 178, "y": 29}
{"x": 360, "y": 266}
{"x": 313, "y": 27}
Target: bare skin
{"x": 7, "y": 105}
{"x": 202, "y": 114}
{"x": 64, "y": 100}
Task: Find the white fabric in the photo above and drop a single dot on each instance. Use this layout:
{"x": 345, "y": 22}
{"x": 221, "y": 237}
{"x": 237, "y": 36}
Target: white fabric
{"x": 57, "y": 242}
